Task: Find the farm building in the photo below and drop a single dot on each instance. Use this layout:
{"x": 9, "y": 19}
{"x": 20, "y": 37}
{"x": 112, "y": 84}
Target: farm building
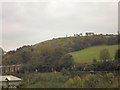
{"x": 9, "y": 81}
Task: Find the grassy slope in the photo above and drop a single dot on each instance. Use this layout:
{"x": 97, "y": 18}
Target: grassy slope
{"x": 88, "y": 54}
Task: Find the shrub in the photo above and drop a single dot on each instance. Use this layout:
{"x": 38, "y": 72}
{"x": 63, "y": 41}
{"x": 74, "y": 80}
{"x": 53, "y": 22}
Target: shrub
{"x": 90, "y": 81}
{"x": 70, "y": 82}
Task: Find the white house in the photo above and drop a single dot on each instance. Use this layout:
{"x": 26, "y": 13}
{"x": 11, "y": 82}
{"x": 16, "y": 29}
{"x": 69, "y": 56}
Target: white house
{"x": 9, "y": 81}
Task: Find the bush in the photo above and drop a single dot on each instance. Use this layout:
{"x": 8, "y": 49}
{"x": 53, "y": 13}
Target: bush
{"x": 90, "y": 81}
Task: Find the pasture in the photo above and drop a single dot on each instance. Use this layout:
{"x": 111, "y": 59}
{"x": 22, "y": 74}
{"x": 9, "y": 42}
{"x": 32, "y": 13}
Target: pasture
{"x": 87, "y": 55}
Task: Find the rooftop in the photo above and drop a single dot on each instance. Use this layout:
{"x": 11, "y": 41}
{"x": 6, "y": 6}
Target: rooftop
{"x": 9, "y": 78}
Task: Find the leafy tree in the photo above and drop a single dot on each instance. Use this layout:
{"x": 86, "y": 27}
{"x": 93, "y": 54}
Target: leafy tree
{"x": 117, "y": 58}
{"x": 117, "y": 55}
{"x": 66, "y": 61}
{"x": 104, "y": 55}
{"x": 119, "y": 38}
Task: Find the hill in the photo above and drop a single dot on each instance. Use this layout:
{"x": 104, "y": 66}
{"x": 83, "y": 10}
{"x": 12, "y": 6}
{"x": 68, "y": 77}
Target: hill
{"x": 54, "y": 54}
{"x": 88, "y": 54}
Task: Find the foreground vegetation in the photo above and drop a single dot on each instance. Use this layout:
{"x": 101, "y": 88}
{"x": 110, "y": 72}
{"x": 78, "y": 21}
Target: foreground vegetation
{"x": 59, "y": 80}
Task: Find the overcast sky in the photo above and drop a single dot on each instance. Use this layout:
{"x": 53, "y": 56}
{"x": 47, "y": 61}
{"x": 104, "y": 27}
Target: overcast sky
{"x": 28, "y": 23}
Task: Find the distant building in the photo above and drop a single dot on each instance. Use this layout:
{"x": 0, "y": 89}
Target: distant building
{"x": 9, "y": 68}
{"x": 9, "y": 81}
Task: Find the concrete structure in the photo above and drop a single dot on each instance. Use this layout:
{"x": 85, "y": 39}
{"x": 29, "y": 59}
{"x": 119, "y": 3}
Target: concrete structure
{"x": 9, "y": 81}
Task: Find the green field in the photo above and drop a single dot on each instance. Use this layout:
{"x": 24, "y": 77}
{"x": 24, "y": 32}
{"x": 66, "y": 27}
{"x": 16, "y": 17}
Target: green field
{"x": 87, "y": 55}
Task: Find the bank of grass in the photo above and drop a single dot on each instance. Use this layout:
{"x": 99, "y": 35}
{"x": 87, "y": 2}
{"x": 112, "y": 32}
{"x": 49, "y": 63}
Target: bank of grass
{"x": 88, "y": 54}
